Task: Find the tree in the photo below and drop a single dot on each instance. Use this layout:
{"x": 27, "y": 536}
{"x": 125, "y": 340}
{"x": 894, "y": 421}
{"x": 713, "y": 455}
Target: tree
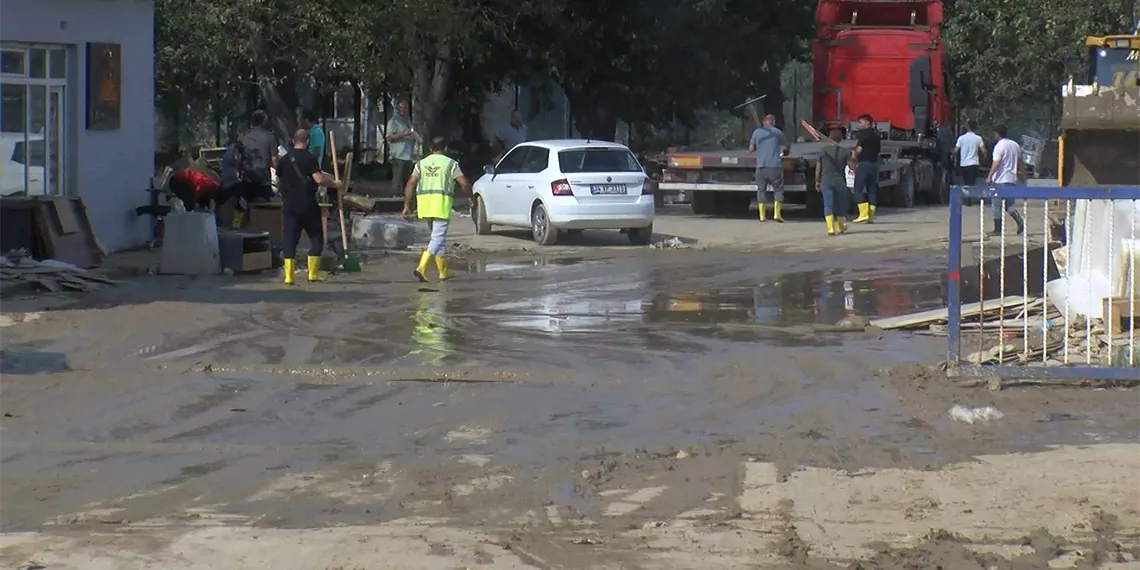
{"x": 1013, "y": 51}
{"x": 645, "y": 62}
{"x": 653, "y": 62}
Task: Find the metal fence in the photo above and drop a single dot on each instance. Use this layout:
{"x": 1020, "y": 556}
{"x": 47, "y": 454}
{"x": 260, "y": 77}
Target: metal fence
{"x": 1058, "y": 303}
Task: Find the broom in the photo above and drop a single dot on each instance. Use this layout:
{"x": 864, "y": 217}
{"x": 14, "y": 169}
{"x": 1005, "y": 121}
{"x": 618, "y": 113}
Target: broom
{"x": 349, "y": 261}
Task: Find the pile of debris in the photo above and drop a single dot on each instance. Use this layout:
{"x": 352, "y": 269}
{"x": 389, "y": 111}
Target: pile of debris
{"x": 20, "y": 272}
{"x": 1023, "y": 331}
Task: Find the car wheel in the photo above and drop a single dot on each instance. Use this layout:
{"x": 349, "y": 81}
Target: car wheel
{"x": 540, "y": 228}
{"x": 480, "y": 216}
{"x": 640, "y": 236}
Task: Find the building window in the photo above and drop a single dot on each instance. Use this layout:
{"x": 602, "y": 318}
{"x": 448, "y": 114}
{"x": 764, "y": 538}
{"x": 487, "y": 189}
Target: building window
{"x": 33, "y": 124}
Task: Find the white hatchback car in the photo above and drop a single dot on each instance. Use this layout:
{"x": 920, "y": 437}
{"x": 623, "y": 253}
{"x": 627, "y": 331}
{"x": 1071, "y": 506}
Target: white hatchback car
{"x": 566, "y": 185}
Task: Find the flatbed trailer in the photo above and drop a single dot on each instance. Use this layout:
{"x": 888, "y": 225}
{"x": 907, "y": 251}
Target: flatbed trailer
{"x": 723, "y": 182}
{"x": 877, "y": 57}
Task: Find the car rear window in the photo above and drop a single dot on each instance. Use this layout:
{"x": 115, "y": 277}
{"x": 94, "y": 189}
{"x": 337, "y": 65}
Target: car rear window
{"x": 597, "y": 160}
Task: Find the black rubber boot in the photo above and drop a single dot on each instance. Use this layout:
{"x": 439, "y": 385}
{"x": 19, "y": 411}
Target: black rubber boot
{"x": 1020, "y": 221}
{"x": 997, "y": 231}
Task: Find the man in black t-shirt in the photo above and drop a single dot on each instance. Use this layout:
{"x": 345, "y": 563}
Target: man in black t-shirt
{"x": 866, "y": 154}
{"x": 298, "y": 179}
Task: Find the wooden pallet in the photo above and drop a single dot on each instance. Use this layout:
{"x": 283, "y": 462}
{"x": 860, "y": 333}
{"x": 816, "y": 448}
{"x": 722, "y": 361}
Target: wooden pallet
{"x": 1122, "y": 309}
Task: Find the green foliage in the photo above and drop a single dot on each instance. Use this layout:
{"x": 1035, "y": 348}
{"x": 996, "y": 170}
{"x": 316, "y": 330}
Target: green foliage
{"x": 648, "y": 61}
{"x": 1013, "y": 51}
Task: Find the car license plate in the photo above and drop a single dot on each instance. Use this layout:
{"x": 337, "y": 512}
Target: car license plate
{"x": 607, "y": 189}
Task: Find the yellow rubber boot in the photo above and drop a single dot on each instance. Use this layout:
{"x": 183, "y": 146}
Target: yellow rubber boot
{"x": 441, "y": 265}
{"x": 239, "y": 217}
{"x": 864, "y": 213}
{"x": 290, "y": 267}
{"x": 830, "y": 221}
{"x": 421, "y": 269}
{"x": 840, "y": 225}
{"x": 871, "y": 214}
{"x": 761, "y": 211}
{"x": 314, "y": 263}
{"x": 776, "y": 212}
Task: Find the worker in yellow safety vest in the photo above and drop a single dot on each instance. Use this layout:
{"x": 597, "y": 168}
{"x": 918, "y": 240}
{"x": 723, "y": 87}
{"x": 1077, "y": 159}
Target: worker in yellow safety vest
{"x": 433, "y": 183}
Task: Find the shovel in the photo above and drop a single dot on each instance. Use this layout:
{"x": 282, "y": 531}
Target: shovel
{"x": 348, "y": 262}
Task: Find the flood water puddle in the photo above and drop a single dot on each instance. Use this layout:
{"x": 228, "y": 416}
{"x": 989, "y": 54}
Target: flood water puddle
{"x": 791, "y": 299}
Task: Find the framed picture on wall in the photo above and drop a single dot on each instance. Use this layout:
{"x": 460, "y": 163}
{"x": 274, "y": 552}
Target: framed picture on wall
{"x": 104, "y": 86}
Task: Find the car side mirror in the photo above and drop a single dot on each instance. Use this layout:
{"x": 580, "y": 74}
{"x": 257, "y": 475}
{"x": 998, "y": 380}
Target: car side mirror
{"x": 489, "y": 169}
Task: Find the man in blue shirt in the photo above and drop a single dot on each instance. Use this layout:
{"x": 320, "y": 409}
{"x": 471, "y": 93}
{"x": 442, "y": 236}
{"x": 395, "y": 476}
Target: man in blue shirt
{"x": 316, "y": 135}
{"x": 770, "y": 146}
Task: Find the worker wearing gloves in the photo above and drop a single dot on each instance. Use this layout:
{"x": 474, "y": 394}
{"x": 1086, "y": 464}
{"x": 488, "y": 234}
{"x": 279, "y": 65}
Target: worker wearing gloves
{"x": 298, "y": 179}
{"x": 432, "y": 183}
{"x": 830, "y": 181}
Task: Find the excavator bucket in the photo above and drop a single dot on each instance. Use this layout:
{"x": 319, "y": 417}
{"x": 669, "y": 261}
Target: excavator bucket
{"x": 1100, "y": 129}
{"x": 1100, "y": 122}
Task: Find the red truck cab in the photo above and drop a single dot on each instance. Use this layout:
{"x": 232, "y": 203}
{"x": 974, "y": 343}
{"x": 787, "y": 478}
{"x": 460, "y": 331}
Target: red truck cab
{"x": 884, "y": 58}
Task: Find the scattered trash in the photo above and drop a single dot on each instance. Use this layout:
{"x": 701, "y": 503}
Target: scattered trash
{"x": 1057, "y": 417}
{"x": 682, "y": 454}
{"x": 671, "y": 243}
{"x": 587, "y": 540}
{"x": 653, "y": 524}
{"x": 969, "y": 415}
{"x": 18, "y": 270}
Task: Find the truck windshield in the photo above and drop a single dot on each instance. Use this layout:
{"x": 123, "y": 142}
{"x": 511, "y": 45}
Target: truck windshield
{"x": 597, "y": 160}
{"x": 1110, "y": 62}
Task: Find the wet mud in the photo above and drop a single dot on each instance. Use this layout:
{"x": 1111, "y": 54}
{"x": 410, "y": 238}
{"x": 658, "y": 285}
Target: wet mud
{"x": 580, "y": 411}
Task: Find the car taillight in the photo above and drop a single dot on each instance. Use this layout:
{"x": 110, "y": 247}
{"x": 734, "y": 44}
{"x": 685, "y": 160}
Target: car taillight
{"x": 561, "y": 188}
{"x": 649, "y": 187}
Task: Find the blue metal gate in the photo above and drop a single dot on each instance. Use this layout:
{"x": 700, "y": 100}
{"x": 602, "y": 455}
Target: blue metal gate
{"x": 1065, "y": 348}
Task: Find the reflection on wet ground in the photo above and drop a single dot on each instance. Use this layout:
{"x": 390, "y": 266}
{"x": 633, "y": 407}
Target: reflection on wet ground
{"x": 601, "y": 356}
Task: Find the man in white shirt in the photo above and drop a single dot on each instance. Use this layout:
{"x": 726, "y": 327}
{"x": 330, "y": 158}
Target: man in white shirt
{"x": 1004, "y": 172}
{"x": 512, "y": 133}
{"x": 969, "y": 150}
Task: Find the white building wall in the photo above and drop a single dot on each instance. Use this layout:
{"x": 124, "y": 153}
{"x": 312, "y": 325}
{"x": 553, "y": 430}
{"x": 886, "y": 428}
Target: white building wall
{"x": 109, "y": 169}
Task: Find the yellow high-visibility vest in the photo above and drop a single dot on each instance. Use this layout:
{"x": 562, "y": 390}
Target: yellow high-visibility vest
{"x": 435, "y": 189}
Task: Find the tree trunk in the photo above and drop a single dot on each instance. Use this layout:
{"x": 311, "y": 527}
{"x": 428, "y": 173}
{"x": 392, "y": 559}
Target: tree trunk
{"x": 277, "y": 85}
{"x": 595, "y": 116}
{"x": 433, "y": 83}
{"x": 357, "y": 119}
{"x": 774, "y": 102}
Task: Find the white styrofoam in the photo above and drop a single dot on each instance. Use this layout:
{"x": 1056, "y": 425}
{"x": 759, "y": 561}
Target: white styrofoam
{"x": 1101, "y": 232}
{"x": 190, "y": 244}
{"x": 371, "y": 231}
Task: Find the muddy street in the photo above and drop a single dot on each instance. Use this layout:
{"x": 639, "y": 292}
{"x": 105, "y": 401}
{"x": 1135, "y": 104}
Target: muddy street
{"x": 600, "y": 408}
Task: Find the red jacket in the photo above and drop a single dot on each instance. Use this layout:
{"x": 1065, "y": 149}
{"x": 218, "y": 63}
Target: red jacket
{"x": 204, "y": 187}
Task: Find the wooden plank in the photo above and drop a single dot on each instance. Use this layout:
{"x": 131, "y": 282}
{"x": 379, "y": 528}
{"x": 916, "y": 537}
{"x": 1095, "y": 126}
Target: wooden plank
{"x": 940, "y": 315}
{"x": 47, "y": 283}
{"x": 65, "y": 213}
{"x": 1121, "y": 309}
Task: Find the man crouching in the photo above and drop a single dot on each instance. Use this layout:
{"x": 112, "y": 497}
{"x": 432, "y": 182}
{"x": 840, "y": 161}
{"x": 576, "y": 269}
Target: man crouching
{"x": 433, "y": 183}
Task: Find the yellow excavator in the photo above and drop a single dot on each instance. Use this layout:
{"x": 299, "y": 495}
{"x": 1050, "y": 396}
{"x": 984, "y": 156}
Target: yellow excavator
{"x": 1100, "y": 119}
{"x": 1099, "y": 143}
